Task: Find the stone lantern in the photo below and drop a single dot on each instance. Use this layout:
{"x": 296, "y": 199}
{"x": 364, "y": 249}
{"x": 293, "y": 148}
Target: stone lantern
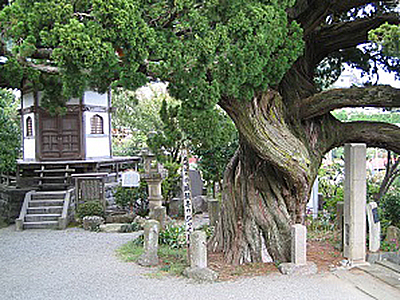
{"x": 153, "y": 178}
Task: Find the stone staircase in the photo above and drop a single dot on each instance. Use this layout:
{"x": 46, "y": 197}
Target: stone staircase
{"x": 379, "y": 280}
{"x": 386, "y": 271}
{"x": 44, "y": 210}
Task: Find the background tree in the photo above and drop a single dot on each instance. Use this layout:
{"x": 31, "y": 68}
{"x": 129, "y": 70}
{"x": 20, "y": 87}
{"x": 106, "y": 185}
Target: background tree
{"x": 257, "y": 60}
{"x": 10, "y": 141}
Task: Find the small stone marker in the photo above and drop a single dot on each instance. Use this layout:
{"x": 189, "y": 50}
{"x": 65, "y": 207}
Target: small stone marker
{"x": 374, "y": 226}
{"x": 198, "y": 259}
{"x": 130, "y": 179}
{"x": 299, "y": 265}
{"x": 175, "y": 207}
{"x": 299, "y": 244}
{"x": 213, "y": 211}
{"x": 151, "y": 231}
{"x": 159, "y": 213}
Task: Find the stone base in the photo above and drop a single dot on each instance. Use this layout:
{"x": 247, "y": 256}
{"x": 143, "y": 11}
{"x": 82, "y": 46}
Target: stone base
{"x": 148, "y": 260}
{"x": 112, "y": 227}
{"x": 292, "y": 269}
{"x": 201, "y": 274}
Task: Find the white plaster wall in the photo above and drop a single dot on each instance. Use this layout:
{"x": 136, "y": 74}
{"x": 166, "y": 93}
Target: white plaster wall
{"x": 29, "y": 142}
{"x": 97, "y": 147}
{"x": 93, "y": 98}
{"x": 29, "y": 149}
{"x": 28, "y": 100}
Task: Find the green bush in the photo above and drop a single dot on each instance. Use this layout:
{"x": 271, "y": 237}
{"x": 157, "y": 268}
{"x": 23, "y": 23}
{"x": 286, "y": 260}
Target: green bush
{"x": 391, "y": 207}
{"x": 173, "y": 236}
{"x": 90, "y": 208}
{"x": 134, "y": 198}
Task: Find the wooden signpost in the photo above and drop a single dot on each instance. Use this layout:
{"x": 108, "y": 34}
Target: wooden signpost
{"x": 187, "y": 196}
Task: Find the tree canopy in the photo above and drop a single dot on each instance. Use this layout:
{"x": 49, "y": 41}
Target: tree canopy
{"x": 9, "y": 132}
{"x": 258, "y": 60}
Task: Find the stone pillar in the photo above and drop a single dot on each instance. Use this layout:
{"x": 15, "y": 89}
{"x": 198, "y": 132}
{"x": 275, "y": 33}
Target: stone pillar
{"x": 151, "y": 231}
{"x": 299, "y": 244}
{"x": 198, "y": 259}
{"x": 355, "y": 192}
{"x": 213, "y": 211}
{"x": 339, "y": 221}
{"x": 374, "y": 226}
{"x": 155, "y": 194}
{"x": 159, "y": 213}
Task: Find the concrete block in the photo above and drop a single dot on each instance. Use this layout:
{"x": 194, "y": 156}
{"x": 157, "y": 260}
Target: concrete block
{"x": 309, "y": 268}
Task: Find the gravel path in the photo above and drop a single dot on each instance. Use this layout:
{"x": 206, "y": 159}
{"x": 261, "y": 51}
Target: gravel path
{"x": 76, "y": 264}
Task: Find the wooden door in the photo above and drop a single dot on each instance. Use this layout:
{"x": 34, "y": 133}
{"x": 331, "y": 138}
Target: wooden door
{"x": 60, "y": 137}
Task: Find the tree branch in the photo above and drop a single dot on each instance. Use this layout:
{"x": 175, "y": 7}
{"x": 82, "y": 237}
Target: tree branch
{"x": 374, "y": 134}
{"x": 310, "y": 14}
{"x": 43, "y": 68}
{"x": 373, "y": 96}
{"x": 346, "y": 35}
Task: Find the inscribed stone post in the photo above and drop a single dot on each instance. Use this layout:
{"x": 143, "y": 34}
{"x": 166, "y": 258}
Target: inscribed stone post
{"x": 299, "y": 244}
{"x": 198, "y": 259}
{"x": 374, "y": 226}
{"x": 355, "y": 202}
{"x": 213, "y": 211}
{"x": 151, "y": 231}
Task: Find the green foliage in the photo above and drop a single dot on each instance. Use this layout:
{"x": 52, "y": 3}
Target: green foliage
{"x": 331, "y": 185}
{"x": 231, "y": 48}
{"x": 387, "y": 117}
{"x": 90, "y": 208}
{"x": 133, "y": 198}
{"x": 173, "y": 260}
{"x": 173, "y": 236}
{"x": 391, "y": 207}
{"x": 9, "y": 132}
{"x": 134, "y": 226}
{"x": 388, "y": 36}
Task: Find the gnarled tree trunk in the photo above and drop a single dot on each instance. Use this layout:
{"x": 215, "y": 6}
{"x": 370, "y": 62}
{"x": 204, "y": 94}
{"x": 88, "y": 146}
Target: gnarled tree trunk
{"x": 267, "y": 183}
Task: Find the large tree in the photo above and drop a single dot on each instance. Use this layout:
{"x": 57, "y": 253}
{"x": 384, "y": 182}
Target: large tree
{"x": 256, "y": 59}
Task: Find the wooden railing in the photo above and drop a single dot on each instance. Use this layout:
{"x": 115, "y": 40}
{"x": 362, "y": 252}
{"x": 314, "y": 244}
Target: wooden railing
{"x": 8, "y": 180}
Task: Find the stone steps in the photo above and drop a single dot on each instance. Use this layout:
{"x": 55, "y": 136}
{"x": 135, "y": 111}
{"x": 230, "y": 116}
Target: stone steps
{"x": 41, "y": 225}
{"x": 385, "y": 271}
{"x": 44, "y": 210}
{"x": 368, "y": 284}
{"x": 46, "y": 203}
{"x": 42, "y": 217}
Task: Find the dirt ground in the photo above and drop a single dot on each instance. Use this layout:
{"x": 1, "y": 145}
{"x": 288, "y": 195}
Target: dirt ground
{"x": 319, "y": 250}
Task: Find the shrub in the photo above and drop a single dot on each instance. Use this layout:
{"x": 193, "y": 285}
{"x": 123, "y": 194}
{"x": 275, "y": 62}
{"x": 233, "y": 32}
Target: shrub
{"x": 391, "y": 207}
{"x": 134, "y": 198}
{"x": 90, "y": 208}
{"x": 173, "y": 236}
